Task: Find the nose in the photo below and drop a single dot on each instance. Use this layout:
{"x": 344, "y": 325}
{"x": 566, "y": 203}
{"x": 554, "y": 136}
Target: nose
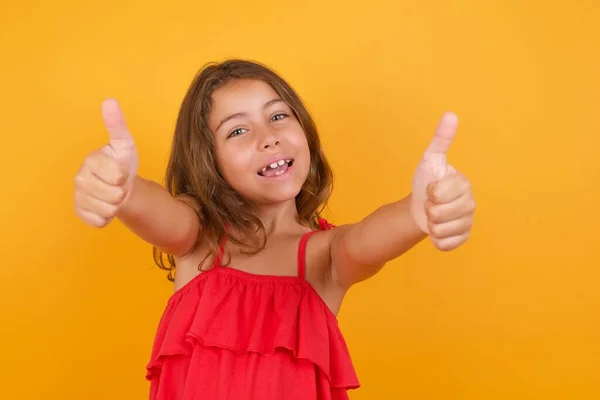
{"x": 270, "y": 144}
{"x": 268, "y": 139}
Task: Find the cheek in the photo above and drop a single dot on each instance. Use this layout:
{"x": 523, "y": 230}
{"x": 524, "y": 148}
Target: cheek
{"x": 299, "y": 141}
{"x": 302, "y": 144}
{"x": 303, "y": 159}
{"x": 234, "y": 164}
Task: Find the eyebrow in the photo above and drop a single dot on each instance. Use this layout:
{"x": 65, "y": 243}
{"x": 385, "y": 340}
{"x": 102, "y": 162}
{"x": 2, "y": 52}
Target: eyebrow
{"x": 241, "y": 114}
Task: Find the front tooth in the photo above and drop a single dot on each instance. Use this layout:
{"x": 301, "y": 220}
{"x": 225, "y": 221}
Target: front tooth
{"x": 278, "y": 172}
{"x": 274, "y": 165}
{"x": 281, "y": 162}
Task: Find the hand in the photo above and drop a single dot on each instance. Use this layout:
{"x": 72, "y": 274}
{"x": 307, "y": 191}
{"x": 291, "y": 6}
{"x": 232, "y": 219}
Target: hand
{"x": 442, "y": 203}
{"x": 105, "y": 179}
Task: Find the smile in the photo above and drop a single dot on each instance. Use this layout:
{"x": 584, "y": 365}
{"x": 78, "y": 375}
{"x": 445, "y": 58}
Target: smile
{"x": 276, "y": 168}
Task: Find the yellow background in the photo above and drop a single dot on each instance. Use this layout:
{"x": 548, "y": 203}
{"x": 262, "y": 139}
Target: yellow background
{"x": 514, "y": 314}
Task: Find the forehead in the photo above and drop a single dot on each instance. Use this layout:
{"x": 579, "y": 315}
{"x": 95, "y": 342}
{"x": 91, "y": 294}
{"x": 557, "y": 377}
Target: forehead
{"x": 240, "y": 95}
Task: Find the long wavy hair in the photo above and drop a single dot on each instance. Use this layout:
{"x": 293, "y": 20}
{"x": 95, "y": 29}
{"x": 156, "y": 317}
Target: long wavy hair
{"x": 193, "y": 171}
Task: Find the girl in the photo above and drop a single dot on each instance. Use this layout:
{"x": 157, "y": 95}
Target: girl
{"x": 254, "y": 311}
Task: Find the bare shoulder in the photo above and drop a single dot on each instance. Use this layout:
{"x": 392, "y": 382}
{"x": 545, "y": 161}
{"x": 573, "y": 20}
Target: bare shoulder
{"x": 319, "y": 266}
{"x": 190, "y": 265}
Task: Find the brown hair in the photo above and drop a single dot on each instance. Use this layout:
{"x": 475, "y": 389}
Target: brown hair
{"x": 192, "y": 169}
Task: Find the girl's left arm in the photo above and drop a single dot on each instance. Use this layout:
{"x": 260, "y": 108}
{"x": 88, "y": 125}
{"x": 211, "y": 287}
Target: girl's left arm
{"x": 440, "y": 206}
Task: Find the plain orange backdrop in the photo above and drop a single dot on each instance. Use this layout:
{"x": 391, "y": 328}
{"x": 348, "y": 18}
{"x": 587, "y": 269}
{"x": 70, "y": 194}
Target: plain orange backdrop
{"x": 514, "y": 314}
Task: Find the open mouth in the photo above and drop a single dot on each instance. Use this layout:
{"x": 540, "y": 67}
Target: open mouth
{"x": 276, "y": 168}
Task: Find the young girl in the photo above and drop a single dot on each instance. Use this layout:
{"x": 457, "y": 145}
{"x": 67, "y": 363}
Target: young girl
{"x": 260, "y": 274}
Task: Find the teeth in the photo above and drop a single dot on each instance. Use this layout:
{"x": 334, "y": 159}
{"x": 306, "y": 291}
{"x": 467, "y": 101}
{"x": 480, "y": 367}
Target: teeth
{"x": 278, "y": 172}
{"x": 275, "y": 165}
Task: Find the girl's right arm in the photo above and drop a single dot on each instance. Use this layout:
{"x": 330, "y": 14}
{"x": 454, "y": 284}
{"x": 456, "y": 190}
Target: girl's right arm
{"x": 107, "y": 186}
{"x": 152, "y": 213}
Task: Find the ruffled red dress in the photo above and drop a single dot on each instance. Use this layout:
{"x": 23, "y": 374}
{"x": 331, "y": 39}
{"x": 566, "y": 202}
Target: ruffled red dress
{"x": 232, "y": 335}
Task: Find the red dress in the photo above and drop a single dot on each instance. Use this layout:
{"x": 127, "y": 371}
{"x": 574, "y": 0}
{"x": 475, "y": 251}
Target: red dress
{"x": 232, "y": 335}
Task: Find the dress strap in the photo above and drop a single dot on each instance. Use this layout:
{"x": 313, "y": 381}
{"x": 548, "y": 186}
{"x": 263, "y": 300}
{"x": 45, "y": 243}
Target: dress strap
{"x": 302, "y": 254}
{"x": 219, "y": 255}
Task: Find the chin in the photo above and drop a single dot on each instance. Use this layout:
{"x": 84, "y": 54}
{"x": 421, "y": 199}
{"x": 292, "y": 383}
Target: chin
{"x": 272, "y": 196}
{"x": 282, "y": 199}
{"x": 270, "y": 193}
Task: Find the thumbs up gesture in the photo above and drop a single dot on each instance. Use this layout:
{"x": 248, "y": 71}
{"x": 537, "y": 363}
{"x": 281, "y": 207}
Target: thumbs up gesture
{"x": 105, "y": 179}
{"x": 442, "y": 203}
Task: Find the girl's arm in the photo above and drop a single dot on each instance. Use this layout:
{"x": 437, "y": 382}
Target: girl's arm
{"x": 152, "y": 213}
{"x": 360, "y": 250}
{"x": 441, "y": 206}
{"x": 107, "y": 186}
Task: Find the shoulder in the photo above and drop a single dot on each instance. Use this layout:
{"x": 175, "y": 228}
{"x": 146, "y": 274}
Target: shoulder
{"x": 328, "y": 234}
{"x": 319, "y": 263}
{"x": 318, "y": 247}
{"x": 191, "y": 264}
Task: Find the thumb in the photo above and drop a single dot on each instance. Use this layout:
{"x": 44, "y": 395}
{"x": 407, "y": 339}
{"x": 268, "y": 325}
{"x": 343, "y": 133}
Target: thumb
{"x": 439, "y": 145}
{"x": 120, "y": 138}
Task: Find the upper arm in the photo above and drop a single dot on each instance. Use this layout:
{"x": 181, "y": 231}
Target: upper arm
{"x": 346, "y": 266}
{"x": 359, "y": 251}
{"x": 185, "y": 228}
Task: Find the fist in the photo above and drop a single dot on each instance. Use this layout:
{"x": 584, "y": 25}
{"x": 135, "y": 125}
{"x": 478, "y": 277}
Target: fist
{"x": 105, "y": 179}
{"x": 449, "y": 209}
{"x": 442, "y": 203}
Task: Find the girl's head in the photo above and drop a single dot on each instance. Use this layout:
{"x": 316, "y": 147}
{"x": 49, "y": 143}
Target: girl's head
{"x": 238, "y": 118}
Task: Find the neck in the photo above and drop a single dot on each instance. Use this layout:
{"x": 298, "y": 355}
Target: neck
{"x": 279, "y": 217}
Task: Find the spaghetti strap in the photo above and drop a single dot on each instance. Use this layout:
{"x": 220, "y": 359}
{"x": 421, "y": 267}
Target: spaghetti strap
{"x": 219, "y": 255}
{"x": 302, "y": 254}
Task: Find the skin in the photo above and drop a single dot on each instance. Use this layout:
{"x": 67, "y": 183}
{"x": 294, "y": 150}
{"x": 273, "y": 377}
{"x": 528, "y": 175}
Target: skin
{"x": 251, "y": 128}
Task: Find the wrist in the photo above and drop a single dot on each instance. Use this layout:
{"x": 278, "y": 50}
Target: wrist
{"x": 126, "y": 206}
{"x": 417, "y": 215}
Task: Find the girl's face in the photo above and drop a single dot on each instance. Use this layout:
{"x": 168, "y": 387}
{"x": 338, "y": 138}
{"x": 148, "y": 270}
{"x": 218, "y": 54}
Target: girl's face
{"x": 261, "y": 148}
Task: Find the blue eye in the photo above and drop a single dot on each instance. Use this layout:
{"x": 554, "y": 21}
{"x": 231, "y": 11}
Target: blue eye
{"x": 237, "y": 132}
{"x": 278, "y": 117}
